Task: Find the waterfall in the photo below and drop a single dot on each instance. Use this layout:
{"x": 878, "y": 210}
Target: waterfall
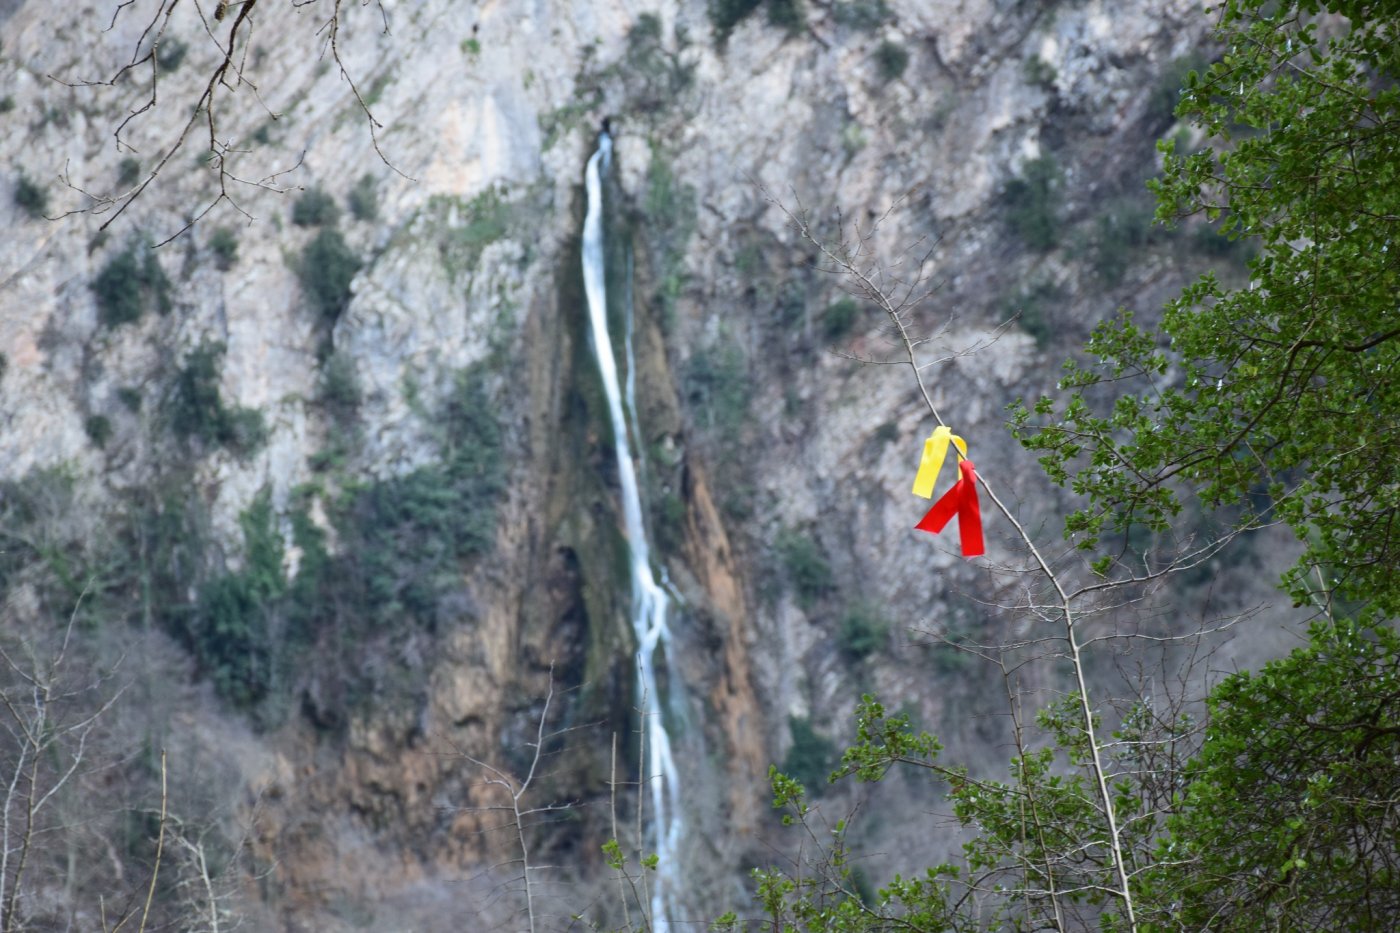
{"x": 650, "y": 600}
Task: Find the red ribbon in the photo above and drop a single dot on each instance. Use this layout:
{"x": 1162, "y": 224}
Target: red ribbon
{"x": 961, "y": 500}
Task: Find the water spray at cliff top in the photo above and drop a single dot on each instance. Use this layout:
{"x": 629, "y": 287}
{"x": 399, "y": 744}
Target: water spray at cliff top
{"x": 650, "y": 602}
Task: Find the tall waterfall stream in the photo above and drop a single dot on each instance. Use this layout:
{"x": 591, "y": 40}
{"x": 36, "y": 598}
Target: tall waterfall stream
{"x": 650, "y": 600}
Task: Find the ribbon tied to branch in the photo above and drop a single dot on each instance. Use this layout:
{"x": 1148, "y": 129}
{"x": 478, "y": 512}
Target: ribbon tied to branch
{"x": 961, "y": 500}
{"x": 935, "y": 450}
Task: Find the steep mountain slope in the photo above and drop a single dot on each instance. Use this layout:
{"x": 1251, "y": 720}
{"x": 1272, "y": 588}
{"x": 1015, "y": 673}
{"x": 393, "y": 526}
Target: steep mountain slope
{"x": 332, "y": 464}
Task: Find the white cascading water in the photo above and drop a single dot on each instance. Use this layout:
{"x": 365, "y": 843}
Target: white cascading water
{"x": 650, "y": 601}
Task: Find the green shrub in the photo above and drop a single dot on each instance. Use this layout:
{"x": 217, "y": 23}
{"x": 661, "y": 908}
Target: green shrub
{"x": 727, "y": 14}
{"x": 224, "y": 619}
{"x": 247, "y": 431}
{"x": 170, "y": 54}
{"x": 667, "y": 200}
{"x": 853, "y": 138}
{"x": 1033, "y": 306}
{"x": 807, "y": 569}
{"x": 671, "y": 218}
{"x": 409, "y": 540}
{"x": 196, "y": 409}
{"x": 787, "y": 15}
{"x": 315, "y": 208}
{"x": 863, "y": 632}
{"x": 487, "y": 221}
{"x": 670, "y": 522}
{"x": 118, "y": 289}
{"x": 1120, "y": 232}
{"x": 463, "y": 229}
{"x": 891, "y": 59}
{"x": 98, "y": 429}
{"x": 718, "y": 388}
{"x": 644, "y": 37}
{"x": 1034, "y": 321}
{"x": 74, "y": 561}
{"x": 340, "y": 387}
{"x": 402, "y": 543}
{"x": 1038, "y": 72}
{"x": 866, "y": 15}
{"x": 811, "y": 758}
{"x": 376, "y": 88}
{"x": 160, "y": 539}
{"x": 790, "y": 304}
{"x": 33, "y": 199}
{"x": 231, "y": 642}
{"x": 231, "y": 636}
{"x": 7, "y": 103}
{"x": 45, "y": 542}
{"x": 127, "y": 284}
{"x": 128, "y": 172}
{"x": 223, "y": 243}
{"x": 950, "y": 660}
{"x": 364, "y": 199}
{"x": 326, "y": 269}
{"x": 839, "y": 317}
{"x": 130, "y": 397}
{"x": 652, "y": 76}
{"x": 1033, "y": 203}
{"x": 403, "y": 538}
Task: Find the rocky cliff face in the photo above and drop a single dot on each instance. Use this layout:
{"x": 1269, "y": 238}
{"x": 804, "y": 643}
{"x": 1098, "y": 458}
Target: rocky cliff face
{"x": 336, "y": 453}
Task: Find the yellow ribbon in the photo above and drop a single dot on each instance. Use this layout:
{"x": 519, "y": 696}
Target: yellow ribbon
{"x": 935, "y": 450}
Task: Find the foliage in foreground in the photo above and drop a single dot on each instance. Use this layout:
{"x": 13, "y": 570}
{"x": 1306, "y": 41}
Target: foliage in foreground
{"x": 1284, "y": 819}
{"x": 1275, "y": 402}
{"x": 1280, "y": 400}
{"x": 1288, "y": 819}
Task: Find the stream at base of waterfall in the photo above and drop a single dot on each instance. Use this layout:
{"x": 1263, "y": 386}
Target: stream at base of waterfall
{"x": 650, "y": 600}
